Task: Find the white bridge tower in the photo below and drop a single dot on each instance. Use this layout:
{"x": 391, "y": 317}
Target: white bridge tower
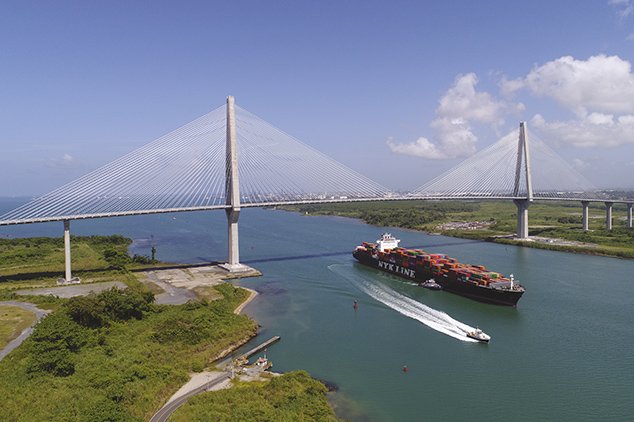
{"x": 232, "y": 192}
{"x": 521, "y": 203}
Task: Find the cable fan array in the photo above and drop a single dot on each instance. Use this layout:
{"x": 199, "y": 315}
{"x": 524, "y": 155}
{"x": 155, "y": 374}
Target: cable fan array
{"x": 186, "y": 170}
{"x": 275, "y": 167}
{"x": 491, "y": 173}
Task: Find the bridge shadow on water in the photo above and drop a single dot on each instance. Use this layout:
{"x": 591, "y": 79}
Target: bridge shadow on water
{"x": 344, "y": 253}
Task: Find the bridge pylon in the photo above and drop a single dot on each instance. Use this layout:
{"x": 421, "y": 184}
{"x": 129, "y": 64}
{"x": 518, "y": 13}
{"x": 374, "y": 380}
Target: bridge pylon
{"x": 232, "y": 192}
{"x": 521, "y": 203}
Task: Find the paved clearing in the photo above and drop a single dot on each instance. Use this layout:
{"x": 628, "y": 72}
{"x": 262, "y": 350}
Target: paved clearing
{"x": 73, "y": 290}
{"x": 178, "y": 284}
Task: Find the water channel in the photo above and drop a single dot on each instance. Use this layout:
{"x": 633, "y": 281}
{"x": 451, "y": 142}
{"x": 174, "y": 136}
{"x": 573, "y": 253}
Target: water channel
{"x": 565, "y": 353}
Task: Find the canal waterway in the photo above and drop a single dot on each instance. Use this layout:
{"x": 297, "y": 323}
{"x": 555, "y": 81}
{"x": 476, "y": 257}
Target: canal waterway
{"x": 565, "y": 353}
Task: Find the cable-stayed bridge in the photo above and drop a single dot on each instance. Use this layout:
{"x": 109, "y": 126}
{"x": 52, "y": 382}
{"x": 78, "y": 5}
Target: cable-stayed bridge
{"x": 231, "y": 159}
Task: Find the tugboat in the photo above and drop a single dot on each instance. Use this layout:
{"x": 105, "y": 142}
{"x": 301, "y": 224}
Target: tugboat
{"x": 430, "y": 284}
{"x": 479, "y": 335}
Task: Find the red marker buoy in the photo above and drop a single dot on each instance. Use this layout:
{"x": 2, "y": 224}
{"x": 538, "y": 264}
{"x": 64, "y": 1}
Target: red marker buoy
{"x": 405, "y": 368}
{"x": 356, "y": 305}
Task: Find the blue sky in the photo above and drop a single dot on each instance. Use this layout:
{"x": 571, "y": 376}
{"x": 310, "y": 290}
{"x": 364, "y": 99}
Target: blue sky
{"x": 399, "y": 91}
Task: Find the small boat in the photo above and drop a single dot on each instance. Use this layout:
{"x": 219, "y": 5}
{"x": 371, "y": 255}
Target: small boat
{"x": 479, "y": 335}
{"x": 430, "y": 284}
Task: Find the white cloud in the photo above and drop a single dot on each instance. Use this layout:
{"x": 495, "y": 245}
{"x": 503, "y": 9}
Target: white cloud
{"x": 598, "y": 91}
{"x": 63, "y": 162}
{"x": 590, "y": 131}
{"x": 464, "y": 102}
{"x": 460, "y": 105}
{"x": 509, "y": 87}
{"x": 624, "y": 8}
{"x": 630, "y": 37}
{"x": 600, "y": 119}
{"x": 579, "y": 164}
{"x": 420, "y": 148}
{"x": 601, "y": 83}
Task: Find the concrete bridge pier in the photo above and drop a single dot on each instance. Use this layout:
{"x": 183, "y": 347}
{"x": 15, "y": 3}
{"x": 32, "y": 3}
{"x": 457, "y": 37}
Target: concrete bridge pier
{"x": 232, "y": 192}
{"x": 68, "y": 276}
{"x": 67, "y": 265}
{"x": 232, "y": 189}
{"x": 234, "y": 248}
{"x": 522, "y": 217}
{"x": 584, "y": 217}
{"x": 629, "y": 216}
{"x": 608, "y": 215}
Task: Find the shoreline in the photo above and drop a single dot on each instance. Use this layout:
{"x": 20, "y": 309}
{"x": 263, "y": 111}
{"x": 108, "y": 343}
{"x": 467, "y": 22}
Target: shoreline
{"x": 252, "y": 295}
{"x": 594, "y": 250}
{"x": 199, "y": 378}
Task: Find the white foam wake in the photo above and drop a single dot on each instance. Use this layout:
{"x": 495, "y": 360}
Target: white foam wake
{"x": 432, "y": 318}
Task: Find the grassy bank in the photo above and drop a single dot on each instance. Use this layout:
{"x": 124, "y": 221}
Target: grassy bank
{"x": 116, "y": 356}
{"x": 39, "y": 261}
{"x": 561, "y": 220}
{"x": 291, "y": 397}
{"x": 13, "y": 320}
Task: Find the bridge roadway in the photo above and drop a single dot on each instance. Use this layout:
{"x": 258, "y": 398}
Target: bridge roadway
{"x": 305, "y": 202}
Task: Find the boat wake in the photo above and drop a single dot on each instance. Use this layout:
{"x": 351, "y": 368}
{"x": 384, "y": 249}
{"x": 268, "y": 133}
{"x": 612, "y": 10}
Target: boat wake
{"x": 432, "y": 318}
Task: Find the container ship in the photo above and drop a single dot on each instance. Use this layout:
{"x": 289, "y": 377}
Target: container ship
{"x": 471, "y": 281}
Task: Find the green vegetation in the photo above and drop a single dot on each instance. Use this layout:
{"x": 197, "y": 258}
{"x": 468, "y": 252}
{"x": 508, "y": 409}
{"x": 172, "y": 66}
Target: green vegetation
{"x": 560, "y": 220}
{"x": 407, "y": 214}
{"x": 13, "y": 320}
{"x": 39, "y": 261}
{"x": 116, "y": 356}
{"x": 291, "y": 397}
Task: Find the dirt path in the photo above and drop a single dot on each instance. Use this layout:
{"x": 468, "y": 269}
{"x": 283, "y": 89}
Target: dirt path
{"x": 73, "y": 290}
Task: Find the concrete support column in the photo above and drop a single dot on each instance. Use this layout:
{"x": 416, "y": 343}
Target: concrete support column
{"x": 234, "y": 249}
{"x": 522, "y": 217}
{"x": 67, "y": 266}
{"x": 608, "y": 215}
{"x": 232, "y": 191}
{"x": 629, "y": 216}
{"x": 584, "y": 205}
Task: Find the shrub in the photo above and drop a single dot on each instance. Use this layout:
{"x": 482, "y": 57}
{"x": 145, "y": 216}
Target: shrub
{"x": 97, "y": 310}
{"x": 53, "y": 343}
{"x": 116, "y": 259}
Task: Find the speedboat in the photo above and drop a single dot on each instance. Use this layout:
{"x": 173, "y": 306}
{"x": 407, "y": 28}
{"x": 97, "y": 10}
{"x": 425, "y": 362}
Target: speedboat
{"x": 430, "y": 284}
{"x": 479, "y": 335}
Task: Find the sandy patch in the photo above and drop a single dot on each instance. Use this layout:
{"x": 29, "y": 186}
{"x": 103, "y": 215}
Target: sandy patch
{"x": 252, "y": 295}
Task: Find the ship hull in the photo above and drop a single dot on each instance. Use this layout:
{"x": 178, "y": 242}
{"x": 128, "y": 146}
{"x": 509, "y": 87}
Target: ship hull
{"x": 448, "y": 283}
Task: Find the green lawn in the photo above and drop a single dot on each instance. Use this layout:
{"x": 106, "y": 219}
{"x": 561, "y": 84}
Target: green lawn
{"x": 39, "y": 262}
{"x": 13, "y": 320}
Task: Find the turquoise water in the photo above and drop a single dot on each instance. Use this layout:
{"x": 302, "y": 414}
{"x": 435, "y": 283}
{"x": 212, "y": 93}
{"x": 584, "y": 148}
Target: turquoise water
{"x": 565, "y": 353}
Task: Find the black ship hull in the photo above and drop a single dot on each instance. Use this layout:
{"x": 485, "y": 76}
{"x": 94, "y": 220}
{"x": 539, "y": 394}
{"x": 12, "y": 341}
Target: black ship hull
{"x": 419, "y": 274}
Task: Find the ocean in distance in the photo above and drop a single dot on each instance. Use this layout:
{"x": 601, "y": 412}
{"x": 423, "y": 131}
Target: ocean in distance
{"x": 565, "y": 353}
